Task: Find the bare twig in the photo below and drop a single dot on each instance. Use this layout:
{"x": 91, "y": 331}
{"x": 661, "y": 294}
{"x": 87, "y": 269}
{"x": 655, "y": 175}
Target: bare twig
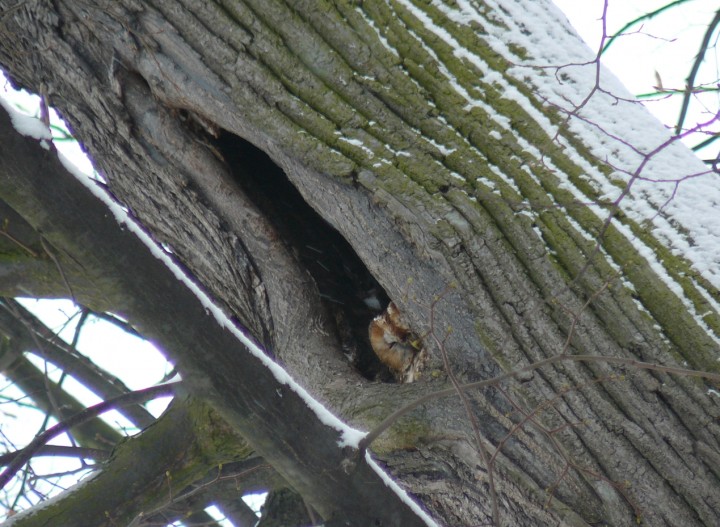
{"x": 690, "y": 83}
{"x": 484, "y": 454}
{"x": 392, "y": 418}
{"x": 250, "y": 467}
{"x": 646, "y": 16}
{"x": 10, "y": 237}
{"x": 51, "y": 254}
{"x": 24, "y": 455}
{"x": 117, "y": 321}
{"x": 62, "y": 451}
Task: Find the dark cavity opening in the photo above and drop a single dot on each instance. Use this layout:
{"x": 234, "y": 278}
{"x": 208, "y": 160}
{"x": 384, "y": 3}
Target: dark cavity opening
{"x": 351, "y": 295}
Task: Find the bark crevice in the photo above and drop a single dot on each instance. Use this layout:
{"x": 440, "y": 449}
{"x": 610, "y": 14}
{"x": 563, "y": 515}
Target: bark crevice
{"x": 349, "y": 293}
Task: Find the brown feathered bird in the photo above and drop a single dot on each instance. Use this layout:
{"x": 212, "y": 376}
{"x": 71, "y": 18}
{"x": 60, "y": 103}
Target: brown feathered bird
{"x": 395, "y": 345}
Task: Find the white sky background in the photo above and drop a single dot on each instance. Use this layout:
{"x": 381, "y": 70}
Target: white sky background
{"x": 666, "y": 45}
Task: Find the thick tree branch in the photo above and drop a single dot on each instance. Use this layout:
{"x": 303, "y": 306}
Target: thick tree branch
{"x": 147, "y": 472}
{"x": 432, "y": 138}
{"x": 266, "y": 411}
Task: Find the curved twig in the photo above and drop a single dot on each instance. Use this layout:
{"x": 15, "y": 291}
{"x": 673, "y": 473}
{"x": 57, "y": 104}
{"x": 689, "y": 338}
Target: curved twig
{"x": 24, "y": 455}
{"x": 646, "y": 16}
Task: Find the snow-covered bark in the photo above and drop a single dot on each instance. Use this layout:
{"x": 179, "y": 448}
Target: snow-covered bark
{"x": 453, "y": 147}
{"x": 217, "y": 362}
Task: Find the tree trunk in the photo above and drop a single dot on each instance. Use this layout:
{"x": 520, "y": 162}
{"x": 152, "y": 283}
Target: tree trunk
{"x": 300, "y": 158}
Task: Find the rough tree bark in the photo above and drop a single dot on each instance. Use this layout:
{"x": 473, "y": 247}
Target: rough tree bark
{"x": 291, "y": 153}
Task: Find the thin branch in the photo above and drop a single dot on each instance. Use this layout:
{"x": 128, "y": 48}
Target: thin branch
{"x": 117, "y": 321}
{"x": 532, "y": 417}
{"x": 392, "y": 418}
{"x": 60, "y": 451}
{"x": 484, "y": 454}
{"x": 646, "y": 16}
{"x": 84, "y": 313}
{"x": 10, "y": 237}
{"x": 46, "y": 248}
{"x": 58, "y": 352}
{"x": 15, "y": 308}
{"x": 696, "y": 67}
{"x": 140, "y": 396}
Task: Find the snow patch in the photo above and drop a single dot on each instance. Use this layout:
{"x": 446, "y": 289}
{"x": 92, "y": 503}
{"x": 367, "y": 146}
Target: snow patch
{"x": 348, "y": 436}
{"x": 404, "y": 496}
{"x": 36, "y": 508}
{"x": 27, "y": 125}
{"x": 671, "y": 189}
{"x": 626, "y": 136}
